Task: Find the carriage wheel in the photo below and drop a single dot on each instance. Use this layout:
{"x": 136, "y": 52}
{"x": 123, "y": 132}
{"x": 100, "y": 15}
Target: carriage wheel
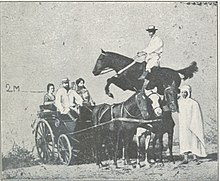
{"x": 64, "y": 149}
{"x": 44, "y": 140}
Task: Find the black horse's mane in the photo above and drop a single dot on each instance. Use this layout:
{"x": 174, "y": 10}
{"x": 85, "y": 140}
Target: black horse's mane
{"x": 119, "y": 56}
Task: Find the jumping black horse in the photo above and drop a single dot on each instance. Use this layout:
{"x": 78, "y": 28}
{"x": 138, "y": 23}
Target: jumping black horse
{"x": 159, "y": 77}
{"x": 138, "y": 106}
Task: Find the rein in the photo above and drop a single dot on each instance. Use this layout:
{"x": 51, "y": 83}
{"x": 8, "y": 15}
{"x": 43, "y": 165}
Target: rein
{"x": 102, "y": 114}
{"x": 124, "y": 108}
{"x": 151, "y": 93}
{"x": 130, "y": 113}
{"x": 106, "y": 70}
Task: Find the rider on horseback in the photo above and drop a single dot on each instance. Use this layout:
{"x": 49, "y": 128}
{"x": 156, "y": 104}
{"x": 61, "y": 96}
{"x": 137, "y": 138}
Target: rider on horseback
{"x": 152, "y": 53}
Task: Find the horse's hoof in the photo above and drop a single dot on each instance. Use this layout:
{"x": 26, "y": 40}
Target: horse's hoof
{"x": 147, "y": 165}
{"x": 127, "y": 162}
{"x": 161, "y": 164}
{"x": 138, "y": 166}
{"x": 152, "y": 161}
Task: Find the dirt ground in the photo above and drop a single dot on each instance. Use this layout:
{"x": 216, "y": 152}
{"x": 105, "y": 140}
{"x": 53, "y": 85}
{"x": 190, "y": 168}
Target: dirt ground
{"x": 205, "y": 169}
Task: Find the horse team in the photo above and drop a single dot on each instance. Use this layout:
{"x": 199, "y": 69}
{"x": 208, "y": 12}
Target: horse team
{"x": 145, "y": 112}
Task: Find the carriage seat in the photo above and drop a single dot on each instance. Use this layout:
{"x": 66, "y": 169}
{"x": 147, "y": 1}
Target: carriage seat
{"x": 67, "y": 123}
{"x": 48, "y": 111}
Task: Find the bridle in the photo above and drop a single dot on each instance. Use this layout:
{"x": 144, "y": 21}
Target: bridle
{"x": 168, "y": 102}
{"x": 153, "y": 93}
{"x": 106, "y": 69}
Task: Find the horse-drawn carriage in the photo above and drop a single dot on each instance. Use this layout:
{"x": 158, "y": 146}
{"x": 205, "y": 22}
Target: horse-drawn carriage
{"x": 58, "y": 137}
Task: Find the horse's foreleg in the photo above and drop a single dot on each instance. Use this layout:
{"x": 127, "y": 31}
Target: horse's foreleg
{"x": 116, "y": 148}
{"x": 107, "y": 91}
{"x": 98, "y": 148}
{"x": 154, "y": 144}
{"x": 128, "y": 138}
{"x": 138, "y": 139}
{"x": 170, "y": 145}
{"x": 123, "y": 152}
{"x": 161, "y": 148}
{"x": 147, "y": 141}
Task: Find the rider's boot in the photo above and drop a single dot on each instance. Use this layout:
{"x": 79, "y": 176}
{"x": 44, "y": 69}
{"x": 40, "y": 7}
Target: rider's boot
{"x": 144, "y": 75}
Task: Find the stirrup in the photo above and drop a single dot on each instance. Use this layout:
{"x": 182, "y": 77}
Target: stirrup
{"x": 143, "y": 76}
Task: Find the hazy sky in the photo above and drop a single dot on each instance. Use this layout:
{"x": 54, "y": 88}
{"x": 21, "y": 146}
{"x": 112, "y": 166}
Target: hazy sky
{"x": 43, "y": 42}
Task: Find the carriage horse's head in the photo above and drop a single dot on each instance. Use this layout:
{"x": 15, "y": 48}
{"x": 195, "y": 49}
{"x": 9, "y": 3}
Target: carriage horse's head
{"x": 156, "y": 100}
{"x": 170, "y": 97}
{"x": 149, "y": 104}
{"x": 144, "y": 105}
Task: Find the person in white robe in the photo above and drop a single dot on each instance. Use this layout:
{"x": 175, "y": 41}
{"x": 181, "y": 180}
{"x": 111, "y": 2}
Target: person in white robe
{"x": 191, "y": 133}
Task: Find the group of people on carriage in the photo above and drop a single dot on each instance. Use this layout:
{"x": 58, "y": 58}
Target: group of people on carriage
{"x": 68, "y": 97}
{"x": 191, "y": 137}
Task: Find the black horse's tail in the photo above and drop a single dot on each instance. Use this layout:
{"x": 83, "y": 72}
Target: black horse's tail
{"x": 188, "y": 71}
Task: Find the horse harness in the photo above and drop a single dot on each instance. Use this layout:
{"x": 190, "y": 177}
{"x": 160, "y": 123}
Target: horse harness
{"x": 122, "y": 110}
{"x": 153, "y": 93}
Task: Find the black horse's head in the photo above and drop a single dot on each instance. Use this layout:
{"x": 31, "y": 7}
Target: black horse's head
{"x": 101, "y": 64}
{"x": 144, "y": 104}
{"x": 170, "y": 98}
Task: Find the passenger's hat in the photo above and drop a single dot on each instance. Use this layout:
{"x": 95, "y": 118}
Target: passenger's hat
{"x": 151, "y": 28}
{"x": 65, "y": 80}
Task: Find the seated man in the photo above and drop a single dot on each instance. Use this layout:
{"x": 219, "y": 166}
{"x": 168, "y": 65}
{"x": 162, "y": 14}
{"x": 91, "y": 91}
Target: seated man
{"x": 152, "y": 53}
{"x": 63, "y": 100}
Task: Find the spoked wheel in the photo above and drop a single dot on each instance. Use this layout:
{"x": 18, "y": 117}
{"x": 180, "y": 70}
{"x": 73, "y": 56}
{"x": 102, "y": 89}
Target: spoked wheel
{"x": 44, "y": 140}
{"x": 64, "y": 149}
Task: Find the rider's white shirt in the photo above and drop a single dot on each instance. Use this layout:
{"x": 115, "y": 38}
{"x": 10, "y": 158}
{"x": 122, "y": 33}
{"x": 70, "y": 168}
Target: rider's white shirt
{"x": 155, "y": 46}
{"x": 153, "y": 53}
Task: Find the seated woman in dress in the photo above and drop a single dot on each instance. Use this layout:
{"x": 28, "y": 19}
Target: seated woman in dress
{"x": 49, "y": 97}
{"x": 84, "y": 93}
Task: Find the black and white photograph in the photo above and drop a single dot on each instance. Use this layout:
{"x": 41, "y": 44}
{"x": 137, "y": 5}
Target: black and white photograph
{"x": 109, "y": 90}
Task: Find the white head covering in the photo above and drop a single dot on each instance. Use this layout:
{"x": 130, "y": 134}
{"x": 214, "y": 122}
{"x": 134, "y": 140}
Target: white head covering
{"x": 188, "y": 89}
